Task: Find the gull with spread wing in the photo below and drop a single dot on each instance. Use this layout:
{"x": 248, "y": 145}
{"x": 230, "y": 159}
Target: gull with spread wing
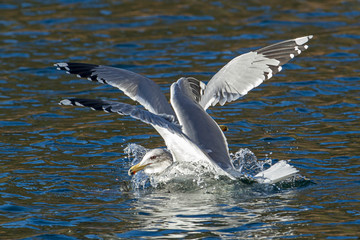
{"x": 189, "y": 132}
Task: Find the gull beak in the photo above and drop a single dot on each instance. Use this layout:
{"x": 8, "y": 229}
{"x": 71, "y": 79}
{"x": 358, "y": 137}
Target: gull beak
{"x": 134, "y": 169}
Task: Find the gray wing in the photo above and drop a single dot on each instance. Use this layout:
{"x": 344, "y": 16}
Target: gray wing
{"x": 198, "y": 125}
{"x": 137, "y": 87}
{"x": 163, "y": 121}
{"x": 249, "y": 70}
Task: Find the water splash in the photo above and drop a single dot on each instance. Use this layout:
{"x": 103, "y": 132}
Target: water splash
{"x": 136, "y": 153}
{"x": 246, "y": 162}
{"x": 187, "y": 176}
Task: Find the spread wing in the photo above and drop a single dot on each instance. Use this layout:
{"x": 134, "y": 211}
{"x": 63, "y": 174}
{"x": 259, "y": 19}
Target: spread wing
{"x": 249, "y": 70}
{"x": 137, "y": 87}
{"x": 176, "y": 141}
{"x": 163, "y": 121}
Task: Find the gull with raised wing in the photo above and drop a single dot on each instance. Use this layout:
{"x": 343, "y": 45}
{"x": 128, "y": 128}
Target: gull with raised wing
{"x": 190, "y": 133}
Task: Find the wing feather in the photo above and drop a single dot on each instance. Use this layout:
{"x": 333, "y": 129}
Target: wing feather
{"x": 163, "y": 121}
{"x": 249, "y": 70}
{"x": 137, "y": 87}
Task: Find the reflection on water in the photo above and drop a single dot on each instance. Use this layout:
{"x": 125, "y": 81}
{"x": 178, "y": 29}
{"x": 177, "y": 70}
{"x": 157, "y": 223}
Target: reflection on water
{"x": 63, "y": 170}
{"x": 230, "y": 211}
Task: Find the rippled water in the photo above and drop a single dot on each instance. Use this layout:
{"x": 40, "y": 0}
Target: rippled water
{"x": 64, "y": 170}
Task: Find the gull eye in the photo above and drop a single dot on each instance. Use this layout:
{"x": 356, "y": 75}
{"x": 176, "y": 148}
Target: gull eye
{"x": 153, "y": 157}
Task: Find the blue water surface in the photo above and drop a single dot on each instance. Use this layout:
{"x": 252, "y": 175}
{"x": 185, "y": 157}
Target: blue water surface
{"x": 64, "y": 170}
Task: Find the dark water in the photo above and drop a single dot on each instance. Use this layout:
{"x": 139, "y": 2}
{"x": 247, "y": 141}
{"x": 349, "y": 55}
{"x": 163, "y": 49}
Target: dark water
{"x": 64, "y": 171}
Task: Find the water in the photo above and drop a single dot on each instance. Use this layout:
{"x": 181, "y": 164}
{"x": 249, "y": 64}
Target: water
{"x": 64, "y": 170}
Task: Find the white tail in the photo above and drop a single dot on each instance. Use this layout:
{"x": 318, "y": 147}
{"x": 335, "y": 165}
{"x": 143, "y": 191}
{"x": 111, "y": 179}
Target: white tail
{"x": 276, "y": 173}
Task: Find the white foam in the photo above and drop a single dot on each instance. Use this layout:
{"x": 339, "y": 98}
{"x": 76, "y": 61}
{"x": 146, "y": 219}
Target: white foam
{"x": 201, "y": 174}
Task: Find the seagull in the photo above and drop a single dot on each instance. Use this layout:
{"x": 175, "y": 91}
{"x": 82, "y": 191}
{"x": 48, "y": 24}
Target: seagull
{"x": 190, "y": 134}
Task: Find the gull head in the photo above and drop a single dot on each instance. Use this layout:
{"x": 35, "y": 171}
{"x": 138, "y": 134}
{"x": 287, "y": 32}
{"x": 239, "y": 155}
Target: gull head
{"x": 154, "y": 162}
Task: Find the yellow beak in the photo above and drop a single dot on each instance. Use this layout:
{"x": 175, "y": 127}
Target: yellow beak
{"x": 134, "y": 169}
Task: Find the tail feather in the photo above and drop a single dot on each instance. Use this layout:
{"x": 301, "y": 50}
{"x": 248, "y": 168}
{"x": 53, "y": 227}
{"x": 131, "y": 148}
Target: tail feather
{"x": 276, "y": 173}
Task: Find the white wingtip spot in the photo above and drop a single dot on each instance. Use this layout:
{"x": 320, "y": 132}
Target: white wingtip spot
{"x": 310, "y": 36}
{"x": 299, "y": 51}
{"x": 67, "y": 72}
{"x": 301, "y": 40}
{"x": 306, "y": 46}
{"x": 291, "y": 56}
{"x": 65, "y": 102}
{"x": 58, "y": 68}
{"x": 89, "y": 79}
{"x": 279, "y": 69}
{"x": 78, "y": 75}
{"x": 78, "y": 104}
{"x": 62, "y": 64}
